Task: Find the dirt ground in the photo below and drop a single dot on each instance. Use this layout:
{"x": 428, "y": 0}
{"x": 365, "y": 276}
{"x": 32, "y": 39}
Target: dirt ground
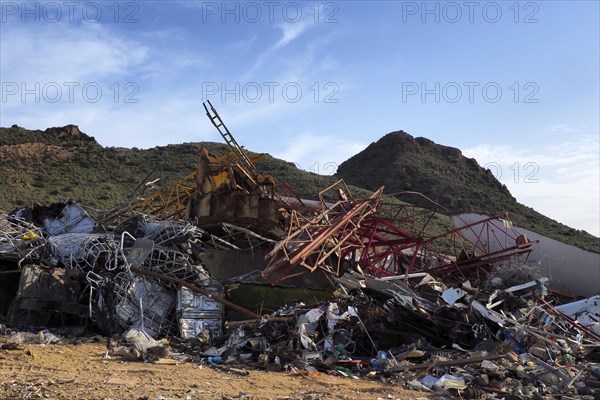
{"x": 68, "y": 371}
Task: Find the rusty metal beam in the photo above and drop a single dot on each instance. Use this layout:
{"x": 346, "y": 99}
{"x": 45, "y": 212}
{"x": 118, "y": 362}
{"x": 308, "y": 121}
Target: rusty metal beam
{"x": 447, "y": 363}
{"x": 196, "y": 289}
{"x": 311, "y": 242}
{"x": 171, "y": 202}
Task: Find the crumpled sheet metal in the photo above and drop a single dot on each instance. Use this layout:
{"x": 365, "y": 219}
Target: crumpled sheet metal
{"x": 396, "y": 289}
{"x": 197, "y": 313}
{"x": 139, "y": 295}
{"x": 586, "y": 312}
{"x": 73, "y": 219}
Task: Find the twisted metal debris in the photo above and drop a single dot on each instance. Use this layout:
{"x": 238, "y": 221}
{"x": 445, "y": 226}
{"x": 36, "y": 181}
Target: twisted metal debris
{"x": 395, "y": 302}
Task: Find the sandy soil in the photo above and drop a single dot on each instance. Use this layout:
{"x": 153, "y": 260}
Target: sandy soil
{"x": 58, "y": 371}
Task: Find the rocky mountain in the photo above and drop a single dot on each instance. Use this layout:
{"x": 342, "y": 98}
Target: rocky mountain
{"x": 402, "y": 163}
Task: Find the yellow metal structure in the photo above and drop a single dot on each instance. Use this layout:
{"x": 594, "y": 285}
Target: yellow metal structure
{"x": 170, "y": 202}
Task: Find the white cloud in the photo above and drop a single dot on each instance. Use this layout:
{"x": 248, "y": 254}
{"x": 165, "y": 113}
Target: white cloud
{"x": 155, "y": 61}
{"x": 134, "y": 96}
{"x": 559, "y": 128}
{"x": 318, "y": 153}
{"x": 57, "y": 53}
{"x": 66, "y": 52}
{"x": 292, "y": 30}
{"x": 560, "y": 180}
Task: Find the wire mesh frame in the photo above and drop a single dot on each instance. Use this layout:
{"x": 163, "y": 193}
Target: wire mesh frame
{"x": 84, "y": 252}
{"x": 178, "y": 265}
{"x": 148, "y": 302}
{"x": 19, "y": 239}
{"x": 12, "y": 228}
{"x": 163, "y": 232}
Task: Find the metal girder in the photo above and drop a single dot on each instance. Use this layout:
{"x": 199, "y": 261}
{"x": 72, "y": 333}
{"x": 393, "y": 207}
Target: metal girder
{"x": 169, "y": 203}
{"x": 388, "y": 249}
{"x": 320, "y": 242}
{"x": 383, "y": 243}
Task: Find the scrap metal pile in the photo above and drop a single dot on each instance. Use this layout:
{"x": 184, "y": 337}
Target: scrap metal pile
{"x": 67, "y": 268}
{"x": 459, "y": 313}
{"x": 145, "y": 279}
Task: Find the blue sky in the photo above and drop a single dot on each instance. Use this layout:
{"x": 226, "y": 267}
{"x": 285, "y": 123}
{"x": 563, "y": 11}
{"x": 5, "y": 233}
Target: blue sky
{"x": 513, "y": 84}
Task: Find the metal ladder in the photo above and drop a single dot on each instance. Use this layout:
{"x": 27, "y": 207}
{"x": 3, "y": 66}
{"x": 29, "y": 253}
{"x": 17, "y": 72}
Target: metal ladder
{"x": 216, "y": 120}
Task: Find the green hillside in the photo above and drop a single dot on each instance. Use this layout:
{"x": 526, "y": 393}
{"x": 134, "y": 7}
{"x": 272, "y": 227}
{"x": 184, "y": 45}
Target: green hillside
{"x": 64, "y": 163}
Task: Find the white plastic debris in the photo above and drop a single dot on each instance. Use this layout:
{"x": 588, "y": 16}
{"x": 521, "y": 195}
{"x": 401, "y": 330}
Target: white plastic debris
{"x": 42, "y": 337}
{"x": 584, "y": 311}
{"x": 428, "y": 381}
{"x": 451, "y": 296}
{"x": 489, "y": 366}
{"x": 451, "y": 382}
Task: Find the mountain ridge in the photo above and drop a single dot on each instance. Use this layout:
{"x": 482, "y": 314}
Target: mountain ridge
{"x": 447, "y": 177}
{"x": 63, "y": 162}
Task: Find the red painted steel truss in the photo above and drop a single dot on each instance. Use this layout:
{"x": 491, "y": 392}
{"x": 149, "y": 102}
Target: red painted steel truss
{"x": 390, "y": 250}
{"x": 321, "y": 241}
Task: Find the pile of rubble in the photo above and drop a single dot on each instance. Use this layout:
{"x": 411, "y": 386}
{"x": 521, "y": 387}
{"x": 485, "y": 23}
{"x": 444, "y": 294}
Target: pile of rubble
{"x": 441, "y": 313}
{"x": 144, "y": 279}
